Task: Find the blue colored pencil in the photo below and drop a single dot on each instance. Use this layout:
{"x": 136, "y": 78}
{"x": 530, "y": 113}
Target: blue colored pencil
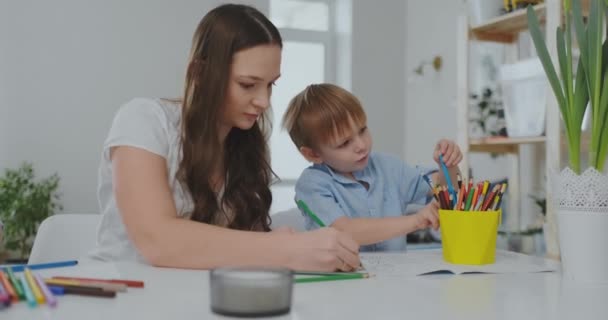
{"x": 58, "y": 264}
{"x": 448, "y": 180}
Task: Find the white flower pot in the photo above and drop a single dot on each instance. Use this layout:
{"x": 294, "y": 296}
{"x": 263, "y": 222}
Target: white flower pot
{"x": 583, "y": 239}
{"x": 582, "y": 221}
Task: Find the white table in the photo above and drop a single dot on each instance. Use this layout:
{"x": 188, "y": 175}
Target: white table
{"x": 184, "y": 294}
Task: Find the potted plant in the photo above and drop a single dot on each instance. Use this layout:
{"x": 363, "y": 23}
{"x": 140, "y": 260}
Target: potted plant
{"x": 24, "y": 203}
{"x": 582, "y": 197}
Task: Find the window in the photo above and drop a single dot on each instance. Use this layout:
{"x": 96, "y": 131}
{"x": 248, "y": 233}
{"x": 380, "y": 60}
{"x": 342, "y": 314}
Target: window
{"x": 307, "y": 28}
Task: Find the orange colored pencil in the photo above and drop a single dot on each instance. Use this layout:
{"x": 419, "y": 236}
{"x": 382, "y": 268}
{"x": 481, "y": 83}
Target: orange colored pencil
{"x": 8, "y": 286}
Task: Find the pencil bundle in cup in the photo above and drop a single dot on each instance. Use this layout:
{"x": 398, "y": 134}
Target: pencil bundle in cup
{"x": 469, "y": 218}
{"x": 469, "y": 196}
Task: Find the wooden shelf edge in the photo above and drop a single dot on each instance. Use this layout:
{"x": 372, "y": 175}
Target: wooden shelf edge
{"x": 504, "y": 28}
{"x": 507, "y": 140}
{"x": 502, "y": 145}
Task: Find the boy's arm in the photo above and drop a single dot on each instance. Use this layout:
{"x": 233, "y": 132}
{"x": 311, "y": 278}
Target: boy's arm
{"x": 373, "y": 230}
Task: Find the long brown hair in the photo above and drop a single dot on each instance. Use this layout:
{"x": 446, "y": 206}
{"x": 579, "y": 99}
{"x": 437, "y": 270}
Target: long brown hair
{"x": 244, "y": 156}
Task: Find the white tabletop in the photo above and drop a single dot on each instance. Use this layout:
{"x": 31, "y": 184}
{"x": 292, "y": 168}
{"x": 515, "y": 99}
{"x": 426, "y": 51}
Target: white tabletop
{"x": 184, "y": 294}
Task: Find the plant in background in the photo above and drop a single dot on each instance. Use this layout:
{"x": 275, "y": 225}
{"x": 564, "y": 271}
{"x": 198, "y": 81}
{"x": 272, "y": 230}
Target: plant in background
{"x": 488, "y": 113}
{"x": 581, "y": 198}
{"x": 590, "y": 84}
{"x": 541, "y": 202}
{"x": 24, "y": 203}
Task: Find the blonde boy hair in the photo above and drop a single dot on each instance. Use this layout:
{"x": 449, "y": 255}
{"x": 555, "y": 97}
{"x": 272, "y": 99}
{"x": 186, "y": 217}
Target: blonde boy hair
{"x": 320, "y": 114}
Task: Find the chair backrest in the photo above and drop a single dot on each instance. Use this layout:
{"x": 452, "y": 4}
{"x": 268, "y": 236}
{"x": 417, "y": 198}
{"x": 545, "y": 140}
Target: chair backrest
{"x": 65, "y": 237}
{"x": 289, "y": 218}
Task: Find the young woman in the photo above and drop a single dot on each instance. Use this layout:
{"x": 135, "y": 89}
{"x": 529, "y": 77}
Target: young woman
{"x": 186, "y": 183}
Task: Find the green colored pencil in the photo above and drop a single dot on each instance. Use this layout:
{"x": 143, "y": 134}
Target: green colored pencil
{"x": 333, "y": 277}
{"x": 322, "y": 273}
{"x": 16, "y": 283}
{"x": 313, "y": 216}
{"x": 469, "y": 199}
{"x": 302, "y": 205}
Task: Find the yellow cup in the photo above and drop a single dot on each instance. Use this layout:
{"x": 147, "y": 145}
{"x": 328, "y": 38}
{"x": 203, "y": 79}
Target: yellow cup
{"x": 469, "y": 237}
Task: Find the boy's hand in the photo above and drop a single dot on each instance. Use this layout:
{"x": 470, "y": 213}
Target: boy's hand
{"x": 428, "y": 216}
{"x": 450, "y": 151}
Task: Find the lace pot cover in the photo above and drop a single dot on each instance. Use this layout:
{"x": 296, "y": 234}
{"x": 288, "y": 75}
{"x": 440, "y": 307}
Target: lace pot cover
{"x": 587, "y": 192}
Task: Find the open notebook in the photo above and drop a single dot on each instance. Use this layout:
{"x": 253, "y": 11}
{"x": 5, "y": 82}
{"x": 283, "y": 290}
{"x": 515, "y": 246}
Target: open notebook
{"x": 424, "y": 262}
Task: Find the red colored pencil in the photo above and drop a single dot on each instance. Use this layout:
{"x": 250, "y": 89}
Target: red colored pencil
{"x": 490, "y": 198}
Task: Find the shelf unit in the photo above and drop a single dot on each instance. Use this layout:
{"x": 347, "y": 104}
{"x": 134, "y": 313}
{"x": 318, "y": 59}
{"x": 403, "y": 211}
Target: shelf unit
{"x": 506, "y": 29}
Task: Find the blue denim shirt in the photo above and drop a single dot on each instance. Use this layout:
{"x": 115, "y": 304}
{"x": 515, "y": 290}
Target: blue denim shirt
{"x": 393, "y": 185}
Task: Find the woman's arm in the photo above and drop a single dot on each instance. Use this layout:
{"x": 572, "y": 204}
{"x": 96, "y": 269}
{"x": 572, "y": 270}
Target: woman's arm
{"x": 373, "y": 230}
{"x": 145, "y": 201}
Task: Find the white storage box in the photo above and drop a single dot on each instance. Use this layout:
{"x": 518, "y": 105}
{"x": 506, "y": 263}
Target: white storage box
{"x": 524, "y": 92}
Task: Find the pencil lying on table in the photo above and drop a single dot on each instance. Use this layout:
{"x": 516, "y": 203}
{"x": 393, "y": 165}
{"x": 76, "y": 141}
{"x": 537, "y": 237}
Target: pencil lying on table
{"x": 332, "y": 277}
{"x": 82, "y": 290}
{"x": 128, "y": 283}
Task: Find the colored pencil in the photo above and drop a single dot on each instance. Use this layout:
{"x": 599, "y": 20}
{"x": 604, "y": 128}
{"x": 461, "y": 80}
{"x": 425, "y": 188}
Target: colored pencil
{"x": 87, "y": 291}
{"x": 429, "y": 181}
{"x": 34, "y": 286}
{"x": 446, "y": 173}
{"x": 48, "y": 295}
{"x": 8, "y": 286}
{"x": 332, "y": 277}
{"x": 469, "y": 199}
{"x": 302, "y": 205}
{"x": 116, "y": 287}
{"x": 490, "y": 198}
{"x": 56, "y": 290}
{"x": 58, "y": 264}
{"x": 5, "y": 297}
{"x": 321, "y": 273}
{"x": 16, "y": 284}
{"x": 29, "y": 296}
{"x": 129, "y": 283}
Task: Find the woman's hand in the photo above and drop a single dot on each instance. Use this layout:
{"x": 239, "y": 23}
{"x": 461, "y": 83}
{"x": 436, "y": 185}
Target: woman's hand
{"x": 428, "y": 216}
{"x": 450, "y": 151}
{"x": 325, "y": 249}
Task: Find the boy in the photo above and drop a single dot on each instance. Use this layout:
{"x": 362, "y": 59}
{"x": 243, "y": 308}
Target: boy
{"x": 350, "y": 188}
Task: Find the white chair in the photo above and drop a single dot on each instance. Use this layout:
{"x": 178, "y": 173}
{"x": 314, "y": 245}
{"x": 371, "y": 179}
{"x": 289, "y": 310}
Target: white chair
{"x": 288, "y": 218}
{"x": 65, "y": 237}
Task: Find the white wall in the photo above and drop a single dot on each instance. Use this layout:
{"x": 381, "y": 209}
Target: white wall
{"x": 378, "y": 42}
{"x": 66, "y": 67}
{"x": 430, "y": 112}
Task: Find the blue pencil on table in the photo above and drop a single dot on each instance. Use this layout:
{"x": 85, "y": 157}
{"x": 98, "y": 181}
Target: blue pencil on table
{"x": 446, "y": 173}
{"x": 37, "y": 266}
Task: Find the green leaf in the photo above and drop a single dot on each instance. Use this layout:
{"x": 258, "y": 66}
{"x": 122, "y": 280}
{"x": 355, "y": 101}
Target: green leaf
{"x": 565, "y": 64}
{"x": 545, "y": 58}
{"x": 595, "y": 45}
{"x": 24, "y": 203}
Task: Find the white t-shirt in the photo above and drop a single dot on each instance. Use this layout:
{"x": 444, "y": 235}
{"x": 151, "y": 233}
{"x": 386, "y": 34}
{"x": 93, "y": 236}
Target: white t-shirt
{"x": 152, "y": 125}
